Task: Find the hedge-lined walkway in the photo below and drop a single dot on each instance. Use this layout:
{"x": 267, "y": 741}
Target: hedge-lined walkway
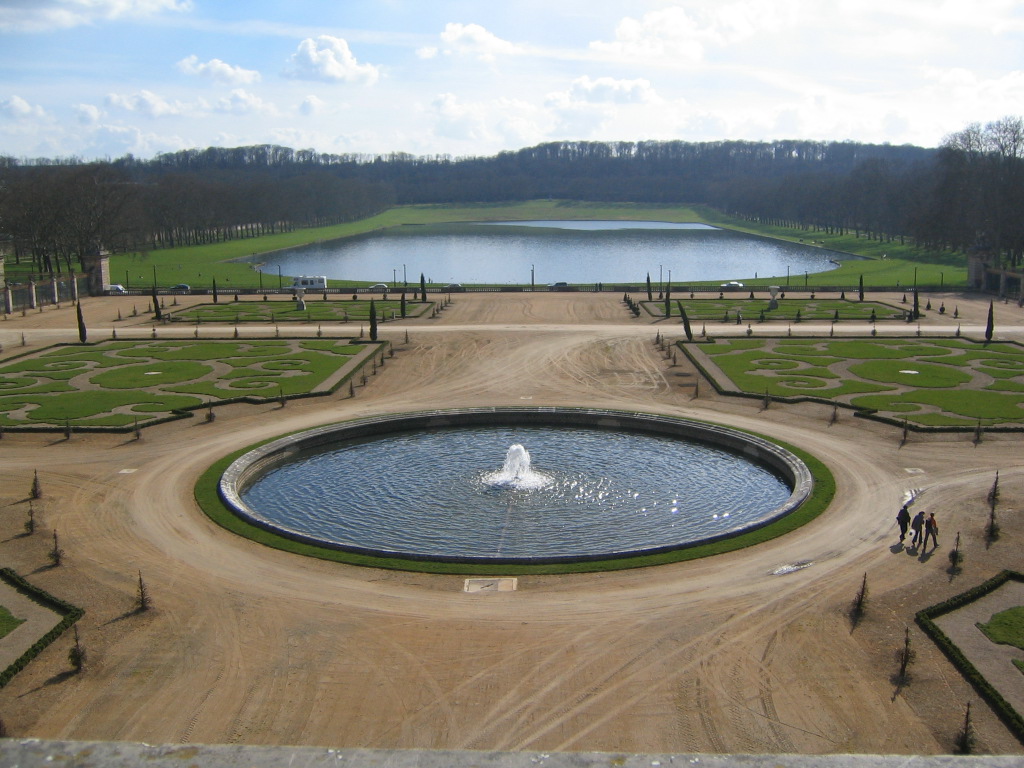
{"x": 38, "y": 620}
{"x": 992, "y": 660}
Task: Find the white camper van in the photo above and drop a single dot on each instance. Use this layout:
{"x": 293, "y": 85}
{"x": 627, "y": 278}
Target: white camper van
{"x": 308, "y": 283}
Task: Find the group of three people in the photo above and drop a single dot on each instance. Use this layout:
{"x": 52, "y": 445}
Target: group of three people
{"x": 923, "y": 528}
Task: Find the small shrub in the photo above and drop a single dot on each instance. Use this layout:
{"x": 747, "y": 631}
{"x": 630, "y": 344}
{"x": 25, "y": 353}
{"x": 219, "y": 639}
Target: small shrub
{"x": 76, "y": 655}
{"x": 966, "y": 739}
{"x": 56, "y": 554}
{"x": 143, "y": 601}
{"x": 859, "y": 606}
{"x": 905, "y": 656}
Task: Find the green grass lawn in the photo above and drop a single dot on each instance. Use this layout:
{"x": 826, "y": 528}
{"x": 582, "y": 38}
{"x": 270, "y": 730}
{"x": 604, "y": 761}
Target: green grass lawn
{"x": 931, "y": 382}
{"x": 317, "y": 311}
{"x": 200, "y": 265}
{"x": 756, "y": 310}
{"x": 120, "y": 383}
{"x": 1006, "y": 627}
{"x": 8, "y": 622}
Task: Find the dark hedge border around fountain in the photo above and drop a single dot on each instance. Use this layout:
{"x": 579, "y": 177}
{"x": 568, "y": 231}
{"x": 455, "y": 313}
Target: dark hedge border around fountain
{"x": 207, "y": 492}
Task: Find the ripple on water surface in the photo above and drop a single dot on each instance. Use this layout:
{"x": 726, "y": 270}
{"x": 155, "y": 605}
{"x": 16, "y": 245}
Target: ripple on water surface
{"x": 430, "y": 493}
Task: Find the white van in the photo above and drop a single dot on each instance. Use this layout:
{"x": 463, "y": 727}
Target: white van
{"x": 307, "y": 283}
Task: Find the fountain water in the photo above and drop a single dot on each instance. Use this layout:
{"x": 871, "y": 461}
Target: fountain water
{"x": 517, "y": 473}
{"x": 611, "y": 486}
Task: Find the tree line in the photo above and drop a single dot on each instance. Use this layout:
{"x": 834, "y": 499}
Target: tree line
{"x": 962, "y": 195}
{"x": 55, "y": 215}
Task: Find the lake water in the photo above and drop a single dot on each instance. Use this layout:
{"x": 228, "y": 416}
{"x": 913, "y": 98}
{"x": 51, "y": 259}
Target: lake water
{"x": 552, "y": 251}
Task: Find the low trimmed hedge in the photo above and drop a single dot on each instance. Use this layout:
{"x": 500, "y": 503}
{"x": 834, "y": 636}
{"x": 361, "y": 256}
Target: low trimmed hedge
{"x": 925, "y": 619}
{"x": 70, "y": 614}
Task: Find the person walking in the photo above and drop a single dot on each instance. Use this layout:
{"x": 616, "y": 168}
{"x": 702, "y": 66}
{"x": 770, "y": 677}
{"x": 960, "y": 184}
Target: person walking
{"x": 916, "y": 525}
{"x": 931, "y": 530}
{"x": 903, "y": 518}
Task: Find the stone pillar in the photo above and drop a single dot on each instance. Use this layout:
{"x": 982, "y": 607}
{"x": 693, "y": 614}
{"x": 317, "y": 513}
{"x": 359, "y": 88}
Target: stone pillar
{"x": 54, "y": 292}
{"x": 32, "y": 302}
{"x": 74, "y": 288}
{"x": 8, "y": 300}
{"x": 97, "y": 271}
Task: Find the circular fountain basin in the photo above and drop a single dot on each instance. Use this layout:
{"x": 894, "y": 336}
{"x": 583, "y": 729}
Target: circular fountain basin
{"x": 594, "y": 485}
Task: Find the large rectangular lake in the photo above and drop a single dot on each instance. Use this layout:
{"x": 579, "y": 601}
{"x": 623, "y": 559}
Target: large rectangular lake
{"x": 551, "y": 251}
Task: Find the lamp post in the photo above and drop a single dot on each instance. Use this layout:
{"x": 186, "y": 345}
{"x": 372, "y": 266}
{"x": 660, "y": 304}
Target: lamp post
{"x": 787, "y": 274}
{"x": 661, "y": 279}
{"x": 394, "y": 276}
{"x": 531, "y": 277}
{"x": 405, "y": 280}
{"x": 280, "y": 285}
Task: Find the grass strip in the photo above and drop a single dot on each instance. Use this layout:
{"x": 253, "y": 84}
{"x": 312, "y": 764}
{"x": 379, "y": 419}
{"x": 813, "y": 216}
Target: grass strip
{"x": 8, "y": 622}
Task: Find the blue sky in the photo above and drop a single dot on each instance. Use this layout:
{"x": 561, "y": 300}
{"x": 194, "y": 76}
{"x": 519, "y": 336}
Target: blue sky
{"x": 102, "y": 78}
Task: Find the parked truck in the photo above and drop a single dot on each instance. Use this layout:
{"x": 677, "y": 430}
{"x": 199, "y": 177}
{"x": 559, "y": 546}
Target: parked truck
{"x": 310, "y": 283}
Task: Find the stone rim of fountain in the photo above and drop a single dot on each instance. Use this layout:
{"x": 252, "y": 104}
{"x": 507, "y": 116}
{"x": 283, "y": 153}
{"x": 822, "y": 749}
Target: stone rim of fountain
{"x": 755, "y": 448}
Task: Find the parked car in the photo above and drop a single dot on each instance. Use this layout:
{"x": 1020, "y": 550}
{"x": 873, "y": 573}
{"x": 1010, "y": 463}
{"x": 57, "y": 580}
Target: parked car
{"x": 381, "y": 287}
{"x": 181, "y": 288}
{"x": 454, "y": 287}
{"x": 559, "y": 286}
{"x": 116, "y": 289}
{"x": 732, "y": 285}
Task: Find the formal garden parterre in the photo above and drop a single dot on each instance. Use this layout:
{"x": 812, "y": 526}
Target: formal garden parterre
{"x": 757, "y": 310}
{"x": 928, "y": 382}
{"x": 115, "y": 384}
{"x": 313, "y": 311}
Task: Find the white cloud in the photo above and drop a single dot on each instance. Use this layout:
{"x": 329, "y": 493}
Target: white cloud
{"x": 474, "y": 40}
{"x": 19, "y": 109}
{"x": 427, "y": 52}
{"x": 241, "y": 102}
{"x": 88, "y": 114}
{"x": 218, "y": 71}
{"x": 45, "y": 15}
{"x": 329, "y": 58}
{"x": 146, "y": 103}
{"x": 495, "y": 123}
{"x": 678, "y": 35}
{"x": 609, "y": 89}
{"x": 312, "y": 105}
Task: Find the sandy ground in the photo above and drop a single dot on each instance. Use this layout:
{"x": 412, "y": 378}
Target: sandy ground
{"x": 251, "y": 645}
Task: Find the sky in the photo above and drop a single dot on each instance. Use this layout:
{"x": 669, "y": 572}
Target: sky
{"x": 105, "y": 78}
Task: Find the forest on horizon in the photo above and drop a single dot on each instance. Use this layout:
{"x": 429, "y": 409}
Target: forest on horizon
{"x": 964, "y": 195}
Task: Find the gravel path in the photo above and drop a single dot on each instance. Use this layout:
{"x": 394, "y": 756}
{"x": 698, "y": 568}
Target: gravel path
{"x": 743, "y": 652}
